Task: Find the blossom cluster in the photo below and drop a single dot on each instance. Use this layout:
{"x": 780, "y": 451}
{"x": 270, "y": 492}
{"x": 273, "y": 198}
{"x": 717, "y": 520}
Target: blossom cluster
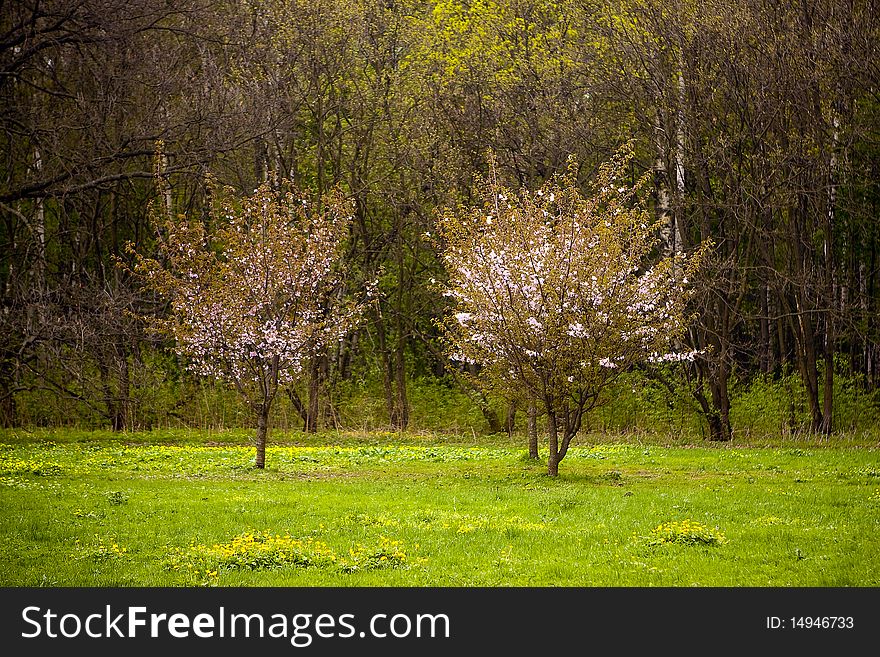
{"x": 253, "y": 297}
{"x": 552, "y": 290}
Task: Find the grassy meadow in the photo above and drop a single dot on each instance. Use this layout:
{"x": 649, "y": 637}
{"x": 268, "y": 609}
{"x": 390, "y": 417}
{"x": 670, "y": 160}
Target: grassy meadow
{"x": 186, "y": 508}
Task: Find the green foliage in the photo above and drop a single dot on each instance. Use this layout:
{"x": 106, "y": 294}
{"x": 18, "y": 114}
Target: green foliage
{"x": 439, "y": 405}
{"x": 500, "y": 43}
{"x": 436, "y": 405}
{"x": 117, "y": 497}
{"x": 856, "y": 408}
{"x": 387, "y": 553}
{"x": 633, "y": 404}
{"x": 637, "y": 403}
{"x": 771, "y": 406}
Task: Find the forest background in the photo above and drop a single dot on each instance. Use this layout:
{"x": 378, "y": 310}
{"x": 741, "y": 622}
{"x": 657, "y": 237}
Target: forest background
{"x": 756, "y": 120}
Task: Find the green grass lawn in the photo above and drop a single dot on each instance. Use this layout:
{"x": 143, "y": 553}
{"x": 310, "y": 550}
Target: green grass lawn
{"x": 178, "y": 508}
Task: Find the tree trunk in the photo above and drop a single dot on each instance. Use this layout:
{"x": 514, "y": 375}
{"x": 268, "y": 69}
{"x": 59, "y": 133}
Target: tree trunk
{"x": 828, "y": 384}
{"x": 401, "y": 419}
{"x": 489, "y": 413}
{"x": 116, "y": 392}
{"x": 298, "y": 405}
{"x": 314, "y": 385}
{"x": 552, "y": 430}
{"x": 766, "y": 348}
{"x": 533, "y": 430}
{"x": 806, "y": 359}
{"x": 349, "y": 347}
{"x": 784, "y": 355}
{"x": 802, "y": 323}
{"x": 39, "y": 230}
{"x": 387, "y": 374}
{"x": 661, "y": 188}
{"x": 123, "y": 413}
{"x": 718, "y": 385}
{"x": 510, "y": 420}
{"x": 401, "y": 401}
{"x": 262, "y": 435}
{"x": 7, "y": 403}
{"x": 871, "y": 317}
{"x": 830, "y": 296}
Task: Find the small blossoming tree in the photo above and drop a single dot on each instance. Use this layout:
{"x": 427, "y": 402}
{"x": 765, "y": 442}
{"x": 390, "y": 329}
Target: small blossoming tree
{"x": 255, "y": 292}
{"x": 555, "y": 293}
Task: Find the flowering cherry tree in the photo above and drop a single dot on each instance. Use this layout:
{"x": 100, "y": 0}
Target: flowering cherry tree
{"x": 555, "y": 294}
{"x": 254, "y": 294}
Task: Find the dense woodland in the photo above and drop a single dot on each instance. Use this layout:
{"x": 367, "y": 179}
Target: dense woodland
{"x": 757, "y": 121}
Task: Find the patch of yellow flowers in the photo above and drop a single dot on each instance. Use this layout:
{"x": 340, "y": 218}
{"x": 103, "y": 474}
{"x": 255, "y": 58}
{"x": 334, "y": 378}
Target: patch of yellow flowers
{"x": 11, "y": 465}
{"x": 686, "y": 532}
{"x": 253, "y": 550}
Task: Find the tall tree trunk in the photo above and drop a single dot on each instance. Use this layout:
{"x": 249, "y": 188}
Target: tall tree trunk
{"x": 665, "y": 215}
{"x": 868, "y": 312}
{"x": 387, "y": 370}
{"x": 348, "y": 348}
{"x": 802, "y": 323}
{"x": 830, "y": 296}
{"x": 871, "y": 315}
{"x": 807, "y": 365}
{"x": 712, "y": 371}
{"x": 721, "y": 380}
{"x": 782, "y": 344}
{"x": 721, "y": 430}
{"x": 828, "y": 383}
{"x": 766, "y": 347}
{"x": 39, "y": 229}
{"x": 677, "y": 229}
{"x": 401, "y": 401}
{"x": 115, "y": 387}
{"x": 122, "y": 415}
{"x": 401, "y": 419}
